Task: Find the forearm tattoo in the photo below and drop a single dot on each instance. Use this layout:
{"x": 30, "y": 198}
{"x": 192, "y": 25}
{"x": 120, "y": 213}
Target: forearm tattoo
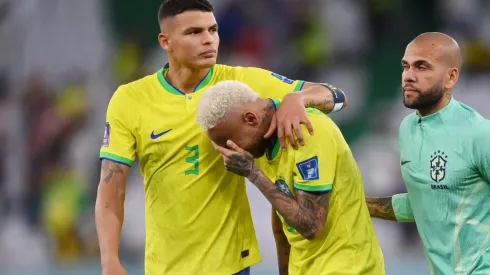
{"x": 306, "y": 213}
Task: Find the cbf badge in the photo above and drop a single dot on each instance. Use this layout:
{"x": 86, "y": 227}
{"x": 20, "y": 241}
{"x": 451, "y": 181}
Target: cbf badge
{"x": 438, "y": 162}
{"x": 107, "y": 135}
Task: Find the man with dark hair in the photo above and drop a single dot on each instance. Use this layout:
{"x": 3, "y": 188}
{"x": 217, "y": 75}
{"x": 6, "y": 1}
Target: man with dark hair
{"x": 198, "y": 219}
{"x": 445, "y": 162}
{"x": 171, "y": 8}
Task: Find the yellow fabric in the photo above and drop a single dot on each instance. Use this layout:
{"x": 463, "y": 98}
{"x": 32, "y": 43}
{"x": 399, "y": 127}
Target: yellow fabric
{"x": 348, "y": 244}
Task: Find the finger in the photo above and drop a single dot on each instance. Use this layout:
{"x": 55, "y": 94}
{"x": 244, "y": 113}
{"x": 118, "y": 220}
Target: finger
{"x": 234, "y": 147}
{"x": 309, "y": 126}
{"x": 288, "y": 132}
{"x": 226, "y": 161}
{"x": 225, "y": 152}
{"x": 280, "y": 136}
{"x": 272, "y": 127}
{"x": 299, "y": 133}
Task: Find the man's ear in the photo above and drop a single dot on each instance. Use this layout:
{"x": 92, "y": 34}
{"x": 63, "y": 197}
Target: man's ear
{"x": 453, "y": 75}
{"x": 163, "y": 40}
{"x": 250, "y": 118}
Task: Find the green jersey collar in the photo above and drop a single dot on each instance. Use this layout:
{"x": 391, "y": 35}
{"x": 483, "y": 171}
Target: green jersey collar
{"x": 440, "y": 115}
{"x": 272, "y": 152}
{"x": 167, "y": 86}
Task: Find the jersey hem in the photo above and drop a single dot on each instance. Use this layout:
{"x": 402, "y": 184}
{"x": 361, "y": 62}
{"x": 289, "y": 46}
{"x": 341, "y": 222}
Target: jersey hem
{"x": 116, "y": 158}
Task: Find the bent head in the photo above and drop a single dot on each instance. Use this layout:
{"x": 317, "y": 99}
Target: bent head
{"x": 231, "y": 110}
{"x": 189, "y": 32}
{"x": 431, "y": 67}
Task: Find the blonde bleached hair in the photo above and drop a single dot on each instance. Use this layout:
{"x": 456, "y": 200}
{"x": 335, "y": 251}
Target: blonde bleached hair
{"x": 220, "y": 99}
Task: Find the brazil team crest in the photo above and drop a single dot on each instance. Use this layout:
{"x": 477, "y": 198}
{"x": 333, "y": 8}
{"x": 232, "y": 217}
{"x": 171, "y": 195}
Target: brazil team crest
{"x": 438, "y": 162}
{"x": 283, "y": 187}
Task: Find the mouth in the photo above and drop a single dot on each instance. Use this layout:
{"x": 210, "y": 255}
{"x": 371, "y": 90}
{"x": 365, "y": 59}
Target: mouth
{"x": 208, "y": 53}
{"x": 410, "y": 90}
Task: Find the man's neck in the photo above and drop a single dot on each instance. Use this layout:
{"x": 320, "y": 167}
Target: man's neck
{"x": 436, "y": 108}
{"x": 270, "y": 110}
{"x": 183, "y": 78}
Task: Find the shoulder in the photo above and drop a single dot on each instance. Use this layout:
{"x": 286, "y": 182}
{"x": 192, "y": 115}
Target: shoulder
{"x": 141, "y": 85}
{"x": 481, "y": 130}
{"x": 324, "y": 127}
{"x": 468, "y": 116}
{"x": 226, "y": 72}
{"x": 242, "y": 72}
{"x": 467, "y": 122}
{"x": 133, "y": 91}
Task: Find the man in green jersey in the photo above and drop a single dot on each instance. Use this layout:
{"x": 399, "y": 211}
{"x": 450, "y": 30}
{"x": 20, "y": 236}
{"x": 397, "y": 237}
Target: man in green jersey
{"x": 445, "y": 162}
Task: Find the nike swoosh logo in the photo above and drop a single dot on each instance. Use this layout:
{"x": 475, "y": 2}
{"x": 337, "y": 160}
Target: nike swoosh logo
{"x": 155, "y": 136}
{"x": 405, "y": 162}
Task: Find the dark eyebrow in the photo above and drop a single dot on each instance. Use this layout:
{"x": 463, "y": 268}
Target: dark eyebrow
{"x": 192, "y": 29}
{"x": 418, "y": 63}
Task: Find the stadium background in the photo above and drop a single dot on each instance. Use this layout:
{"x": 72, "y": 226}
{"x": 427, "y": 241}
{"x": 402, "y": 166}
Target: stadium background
{"x": 60, "y": 61}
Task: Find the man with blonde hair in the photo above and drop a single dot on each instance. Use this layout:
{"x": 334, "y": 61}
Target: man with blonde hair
{"x": 316, "y": 191}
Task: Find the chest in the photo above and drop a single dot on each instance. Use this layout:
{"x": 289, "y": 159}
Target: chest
{"x": 168, "y": 133}
{"x": 435, "y": 161}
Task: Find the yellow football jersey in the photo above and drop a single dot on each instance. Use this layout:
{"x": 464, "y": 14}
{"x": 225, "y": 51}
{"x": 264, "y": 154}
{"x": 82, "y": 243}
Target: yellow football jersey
{"x": 348, "y": 244}
{"x": 198, "y": 218}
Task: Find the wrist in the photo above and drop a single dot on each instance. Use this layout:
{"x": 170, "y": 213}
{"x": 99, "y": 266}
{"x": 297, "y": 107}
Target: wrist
{"x": 254, "y": 174}
{"x": 298, "y": 96}
{"x": 107, "y": 260}
{"x": 338, "y": 97}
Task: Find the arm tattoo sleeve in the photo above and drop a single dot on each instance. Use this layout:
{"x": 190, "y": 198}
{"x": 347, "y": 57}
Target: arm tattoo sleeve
{"x": 381, "y": 208}
{"x": 306, "y": 213}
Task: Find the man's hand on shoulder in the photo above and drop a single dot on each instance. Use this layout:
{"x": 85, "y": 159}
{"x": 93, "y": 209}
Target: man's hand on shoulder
{"x": 288, "y": 119}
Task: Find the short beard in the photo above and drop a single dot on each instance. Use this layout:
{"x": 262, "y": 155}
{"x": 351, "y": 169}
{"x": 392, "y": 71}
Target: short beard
{"x": 426, "y": 100}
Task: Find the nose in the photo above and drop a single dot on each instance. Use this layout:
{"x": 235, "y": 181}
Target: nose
{"x": 207, "y": 38}
{"x": 408, "y": 75}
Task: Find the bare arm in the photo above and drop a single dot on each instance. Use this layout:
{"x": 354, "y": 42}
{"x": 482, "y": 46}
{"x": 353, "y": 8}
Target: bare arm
{"x": 306, "y": 213}
{"x": 381, "y": 208}
{"x": 109, "y": 209}
{"x": 282, "y": 244}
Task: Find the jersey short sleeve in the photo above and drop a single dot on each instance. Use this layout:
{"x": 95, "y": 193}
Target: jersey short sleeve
{"x": 119, "y": 144}
{"x": 269, "y": 84}
{"x": 481, "y": 150}
{"x": 315, "y": 162}
{"x": 402, "y": 208}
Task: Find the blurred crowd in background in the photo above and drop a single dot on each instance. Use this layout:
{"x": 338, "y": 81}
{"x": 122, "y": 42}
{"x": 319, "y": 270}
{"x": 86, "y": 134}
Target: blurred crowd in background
{"x": 61, "y": 60}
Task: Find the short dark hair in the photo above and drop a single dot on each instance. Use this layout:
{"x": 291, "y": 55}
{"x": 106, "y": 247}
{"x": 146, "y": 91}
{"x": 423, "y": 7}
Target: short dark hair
{"x": 174, "y": 7}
